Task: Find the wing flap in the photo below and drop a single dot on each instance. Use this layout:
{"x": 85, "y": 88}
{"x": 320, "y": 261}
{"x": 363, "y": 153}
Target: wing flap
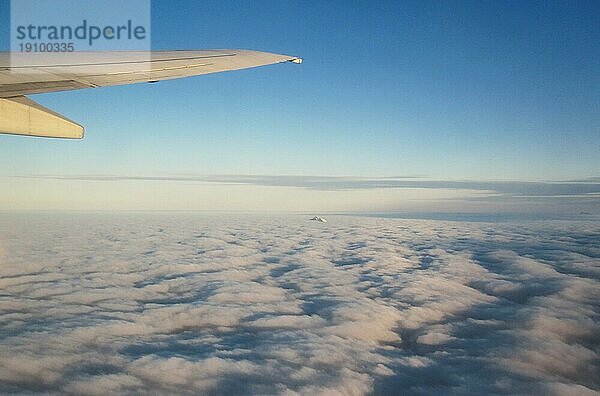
{"x": 20, "y": 89}
{"x": 23, "y": 116}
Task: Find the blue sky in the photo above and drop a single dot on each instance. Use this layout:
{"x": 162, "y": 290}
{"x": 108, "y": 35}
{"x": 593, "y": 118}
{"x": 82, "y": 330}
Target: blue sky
{"x": 443, "y": 90}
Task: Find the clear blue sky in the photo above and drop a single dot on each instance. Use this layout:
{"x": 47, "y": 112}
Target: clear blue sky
{"x": 447, "y": 90}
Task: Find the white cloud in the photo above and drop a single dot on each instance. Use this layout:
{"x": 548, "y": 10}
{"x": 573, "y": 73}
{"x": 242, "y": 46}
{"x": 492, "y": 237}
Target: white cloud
{"x": 190, "y": 303}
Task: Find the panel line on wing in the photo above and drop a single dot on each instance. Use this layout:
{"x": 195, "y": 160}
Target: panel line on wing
{"x": 151, "y": 70}
{"x": 117, "y": 63}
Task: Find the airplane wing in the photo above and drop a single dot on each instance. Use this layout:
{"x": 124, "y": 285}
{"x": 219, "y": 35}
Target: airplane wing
{"x": 30, "y": 73}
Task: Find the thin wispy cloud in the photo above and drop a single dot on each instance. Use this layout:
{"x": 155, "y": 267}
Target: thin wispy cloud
{"x": 582, "y": 187}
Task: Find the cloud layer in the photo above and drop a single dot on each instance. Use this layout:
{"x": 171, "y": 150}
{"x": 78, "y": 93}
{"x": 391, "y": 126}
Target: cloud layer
{"x": 585, "y": 187}
{"x": 188, "y": 303}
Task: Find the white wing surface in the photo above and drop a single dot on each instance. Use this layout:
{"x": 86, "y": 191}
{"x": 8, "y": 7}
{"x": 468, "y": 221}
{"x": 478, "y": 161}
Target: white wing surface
{"x": 30, "y": 73}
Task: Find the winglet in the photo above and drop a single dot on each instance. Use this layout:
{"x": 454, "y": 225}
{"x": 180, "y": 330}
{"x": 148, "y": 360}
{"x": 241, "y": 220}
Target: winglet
{"x": 296, "y": 60}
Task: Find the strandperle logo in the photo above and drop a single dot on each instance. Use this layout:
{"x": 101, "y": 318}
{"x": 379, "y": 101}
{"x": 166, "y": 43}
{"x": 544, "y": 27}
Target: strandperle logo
{"x": 84, "y": 31}
{"x": 47, "y": 27}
